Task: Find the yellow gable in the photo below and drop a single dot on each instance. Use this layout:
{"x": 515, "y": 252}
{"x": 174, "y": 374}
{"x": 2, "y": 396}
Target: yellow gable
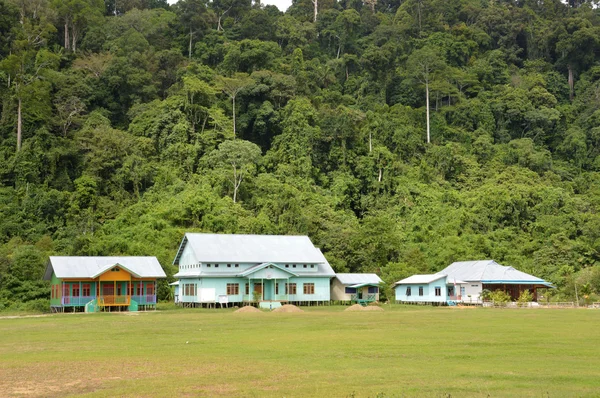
{"x": 116, "y": 273}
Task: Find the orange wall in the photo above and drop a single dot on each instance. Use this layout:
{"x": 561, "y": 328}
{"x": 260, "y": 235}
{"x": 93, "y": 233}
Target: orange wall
{"x": 110, "y": 275}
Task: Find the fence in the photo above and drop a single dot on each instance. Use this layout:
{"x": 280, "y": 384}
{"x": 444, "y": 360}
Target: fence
{"x": 513, "y": 304}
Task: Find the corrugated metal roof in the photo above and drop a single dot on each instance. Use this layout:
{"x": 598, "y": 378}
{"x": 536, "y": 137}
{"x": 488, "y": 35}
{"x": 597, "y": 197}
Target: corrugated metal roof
{"x": 88, "y": 266}
{"x": 420, "y": 279}
{"x": 488, "y": 271}
{"x": 279, "y": 249}
{"x": 353, "y": 279}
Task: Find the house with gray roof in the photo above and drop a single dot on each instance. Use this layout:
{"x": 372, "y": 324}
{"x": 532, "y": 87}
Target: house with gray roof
{"x": 265, "y": 269}
{"x": 489, "y": 275}
{"x": 93, "y": 283}
{"x": 360, "y": 288}
{"x": 464, "y": 281}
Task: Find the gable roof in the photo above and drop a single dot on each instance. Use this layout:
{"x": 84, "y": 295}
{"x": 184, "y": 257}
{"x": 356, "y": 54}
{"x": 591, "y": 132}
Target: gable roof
{"x": 420, "y": 279}
{"x": 92, "y": 266}
{"x": 110, "y": 266}
{"x": 489, "y": 271}
{"x": 258, "y": 267}
{"x": 354, "y": 279}
{"x": 259, "y": 249}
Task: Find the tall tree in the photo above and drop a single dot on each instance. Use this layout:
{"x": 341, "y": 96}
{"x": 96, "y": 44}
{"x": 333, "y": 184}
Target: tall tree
{"x": 242, "y": 156}
{"x": 195, "y": 16}
{"x": 423, "y": 64}
{"x": 232, "y": 87}
{"x": 25, "y": 66}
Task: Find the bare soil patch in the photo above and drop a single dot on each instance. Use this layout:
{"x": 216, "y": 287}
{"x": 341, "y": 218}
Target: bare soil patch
{"x": 288, "y": 308}
{"x": 358, "y": 307}
{"x": 247, "y": 308}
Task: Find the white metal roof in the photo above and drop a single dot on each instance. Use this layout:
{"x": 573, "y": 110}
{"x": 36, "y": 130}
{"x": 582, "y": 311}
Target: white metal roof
{"x": 88, "y": 266}
{"x": 233, "y": 248}
{"x": 488, "y": 271}
{"x": 420, "y": 279}
{"x": 355, "y": 279}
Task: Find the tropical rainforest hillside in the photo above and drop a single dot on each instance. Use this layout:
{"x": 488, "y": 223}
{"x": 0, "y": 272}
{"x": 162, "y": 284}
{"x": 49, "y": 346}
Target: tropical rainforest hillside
{"x": 400, "y": 135}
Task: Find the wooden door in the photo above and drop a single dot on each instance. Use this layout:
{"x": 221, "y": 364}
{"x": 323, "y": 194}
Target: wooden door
{"x": 258, "y": 288}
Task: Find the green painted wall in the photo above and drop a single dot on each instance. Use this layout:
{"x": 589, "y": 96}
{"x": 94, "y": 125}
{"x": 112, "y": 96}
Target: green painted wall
{"x": 55, "y": 281}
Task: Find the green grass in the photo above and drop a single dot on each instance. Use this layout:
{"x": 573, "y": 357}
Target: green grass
{"x": 324, "y": 352}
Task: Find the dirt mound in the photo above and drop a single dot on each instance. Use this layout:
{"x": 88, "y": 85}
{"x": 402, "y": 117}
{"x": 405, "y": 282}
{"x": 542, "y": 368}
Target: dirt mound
{"x": 247, "y": 308}
{"x": 358, "y": 307}
{"x": 372, "y": 308}
{"x": 288, "y": 308}
{"x": 355, "y": 307}
{"x": 374, "y": 303}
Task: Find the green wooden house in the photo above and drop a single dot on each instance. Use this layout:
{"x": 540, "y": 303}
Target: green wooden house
{"x": 94, "y": 284}
{"x": 266, "y": 270}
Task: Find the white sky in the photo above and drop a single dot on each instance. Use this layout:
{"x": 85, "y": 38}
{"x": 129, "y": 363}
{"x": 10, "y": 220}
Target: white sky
{"x": 281, "y": 4}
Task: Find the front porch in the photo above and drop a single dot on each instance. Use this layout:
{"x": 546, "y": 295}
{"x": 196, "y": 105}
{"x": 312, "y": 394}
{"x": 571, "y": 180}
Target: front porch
{"x": 363, "y": 299}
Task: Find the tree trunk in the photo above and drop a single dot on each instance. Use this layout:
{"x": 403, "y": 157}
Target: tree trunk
{"x": 190, "y": 46}
{"x": 233, "y": 101}
{"x": 19, "y": 126}
{"x": 370, "y": 141}
{"x": 427, "y": 108}
{"x": 73, "y": 39}
{"x": 316, "y": 4}
{"x": 571, "y": 82}
{"x": 66, "y": 34}
{"x": 380, "y": 175}
{"x": 236, "y": 184}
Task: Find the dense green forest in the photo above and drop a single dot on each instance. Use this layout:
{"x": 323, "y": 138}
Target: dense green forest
{"x": 400, "y": 135}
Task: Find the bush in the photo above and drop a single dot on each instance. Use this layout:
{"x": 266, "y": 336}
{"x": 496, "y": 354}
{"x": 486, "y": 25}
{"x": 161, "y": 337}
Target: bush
{"x": 524, "y": 298}
{"x": 39, "y": 305}
{"x": 500, "y": 296}
{"x": 486, "y": 295}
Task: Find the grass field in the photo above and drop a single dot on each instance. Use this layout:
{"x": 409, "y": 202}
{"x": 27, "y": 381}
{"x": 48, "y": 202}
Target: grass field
{"x": 324, "y": 352}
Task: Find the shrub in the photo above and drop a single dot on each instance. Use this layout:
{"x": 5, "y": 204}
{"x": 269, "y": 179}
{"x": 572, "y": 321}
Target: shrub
{"x": 39, "y": 305}
{"x": 485, "y": 295}
{"x": 524, "y": 298}
{"x": 500, "y": 296}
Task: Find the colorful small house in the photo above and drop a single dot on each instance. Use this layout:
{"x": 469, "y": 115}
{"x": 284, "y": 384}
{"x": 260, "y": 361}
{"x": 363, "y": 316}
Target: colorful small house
{"x": 357, "y": 288}
{"x": 94, "y": 284}
{"x": 266, "y": 270}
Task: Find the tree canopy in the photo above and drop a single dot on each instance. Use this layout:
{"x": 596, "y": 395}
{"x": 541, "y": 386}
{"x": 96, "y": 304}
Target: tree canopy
{"x": 399, "y": 135}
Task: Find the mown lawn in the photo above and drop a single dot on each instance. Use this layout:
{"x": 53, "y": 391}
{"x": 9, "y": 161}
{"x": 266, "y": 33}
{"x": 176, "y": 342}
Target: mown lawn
{"x": 324, "y": 352}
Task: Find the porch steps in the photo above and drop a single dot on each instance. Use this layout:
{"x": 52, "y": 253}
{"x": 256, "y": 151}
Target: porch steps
{"x": 92, "y": 306}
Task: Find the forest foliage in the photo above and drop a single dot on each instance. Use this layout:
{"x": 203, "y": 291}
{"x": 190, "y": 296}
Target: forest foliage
{"x": 399, "y": 135}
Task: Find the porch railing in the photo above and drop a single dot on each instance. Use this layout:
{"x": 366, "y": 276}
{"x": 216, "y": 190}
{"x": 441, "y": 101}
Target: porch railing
{"x": 275, "y": 297}
{"x": 145, "y": 299}
{"x": 114, "y": 300}
{"x": 365, "y": 297}
{"x": 76, "y": 301}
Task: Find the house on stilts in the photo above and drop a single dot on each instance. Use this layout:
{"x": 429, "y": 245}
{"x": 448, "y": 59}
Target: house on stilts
{"x": 464, "y": 282}
{"x": 93, "y": 284}
{"x": 263, "y": 270}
